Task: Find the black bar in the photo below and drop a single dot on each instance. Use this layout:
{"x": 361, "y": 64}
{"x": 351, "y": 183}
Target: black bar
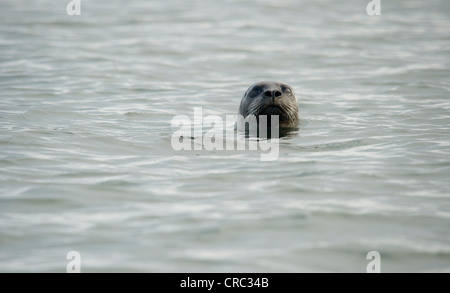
{"x": 205, "y": 282}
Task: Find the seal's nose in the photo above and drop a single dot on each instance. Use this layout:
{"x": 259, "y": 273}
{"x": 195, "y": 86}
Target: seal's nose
{"x": 273, "y": 94}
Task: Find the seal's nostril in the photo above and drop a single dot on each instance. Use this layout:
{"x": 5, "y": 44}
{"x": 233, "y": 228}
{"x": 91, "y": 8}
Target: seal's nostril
{"x": 277, "y": 94}
{"x": 268, "y": 94}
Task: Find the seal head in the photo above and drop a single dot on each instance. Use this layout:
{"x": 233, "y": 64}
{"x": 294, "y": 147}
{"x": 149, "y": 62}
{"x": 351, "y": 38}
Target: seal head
{"x": 271, "y": 98}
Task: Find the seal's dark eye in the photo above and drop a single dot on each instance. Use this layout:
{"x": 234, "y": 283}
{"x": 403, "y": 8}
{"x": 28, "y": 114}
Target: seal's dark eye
{"x": 287, "y": 91}
{"x": 255, "y": 91}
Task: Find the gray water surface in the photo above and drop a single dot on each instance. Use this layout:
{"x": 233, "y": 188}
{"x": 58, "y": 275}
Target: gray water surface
{"x": 86, "y": 161}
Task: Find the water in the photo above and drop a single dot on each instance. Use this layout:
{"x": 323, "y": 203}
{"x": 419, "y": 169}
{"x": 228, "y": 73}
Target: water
{"x": 85, "y": 130}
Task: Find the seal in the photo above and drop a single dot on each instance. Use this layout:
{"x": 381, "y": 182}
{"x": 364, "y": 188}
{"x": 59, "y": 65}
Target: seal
{"x": 271, "y": 98}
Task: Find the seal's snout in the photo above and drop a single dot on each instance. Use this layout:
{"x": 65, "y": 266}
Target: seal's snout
{"x": 273, "y": 94}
